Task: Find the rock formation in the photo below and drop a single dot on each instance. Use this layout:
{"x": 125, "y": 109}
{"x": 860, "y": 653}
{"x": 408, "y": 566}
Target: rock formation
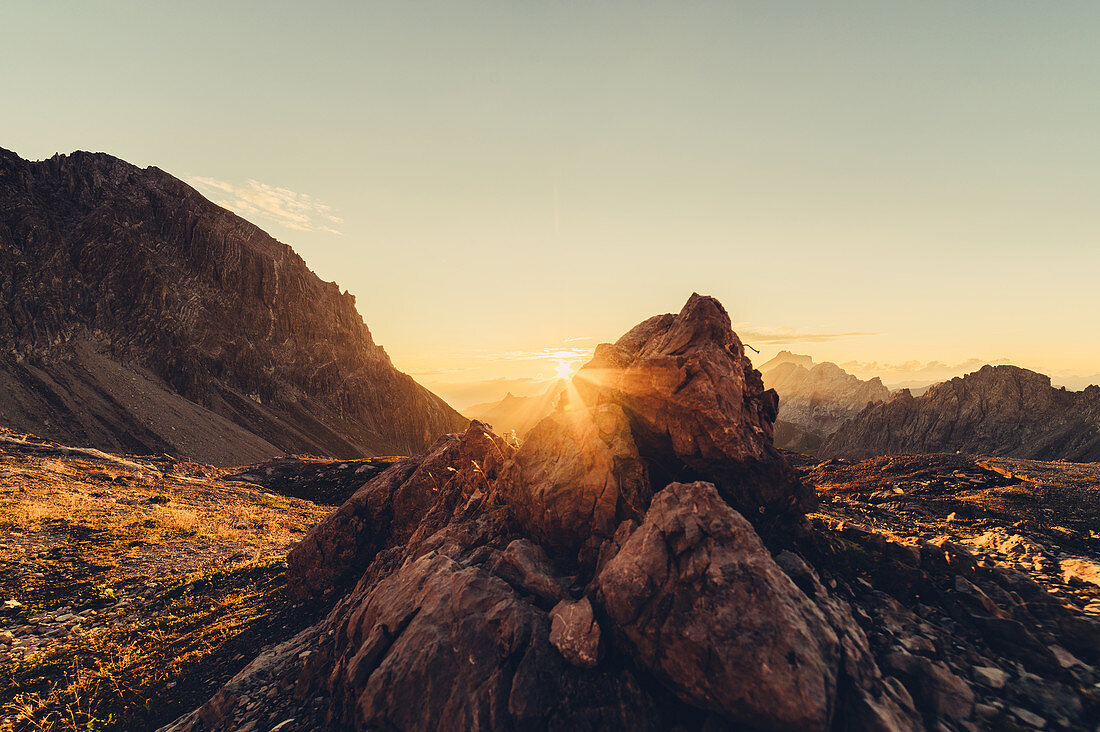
{"x": 573, "y": 583}
{"x": 697, "y": 408}
{"x": 138, "y": 316}
{"x": 582, "y": 581}
{"x": 998, "y": 410}
{"x": 815, "y": 399}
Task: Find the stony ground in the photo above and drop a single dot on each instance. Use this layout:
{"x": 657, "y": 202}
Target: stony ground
{"x": 1004, "y": 523}
{"x": 1039, "y": 518}
{"x": 132, "y": 587}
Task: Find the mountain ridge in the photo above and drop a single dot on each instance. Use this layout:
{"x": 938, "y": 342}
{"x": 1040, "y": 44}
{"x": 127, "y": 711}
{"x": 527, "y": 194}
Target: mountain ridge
{"x": 208, "y": 307}
{"x": 997, "y": 410}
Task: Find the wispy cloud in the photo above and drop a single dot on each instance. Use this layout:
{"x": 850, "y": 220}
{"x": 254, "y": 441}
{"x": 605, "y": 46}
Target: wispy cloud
{"x": 750, "y": 334}
{"x": 916, "y": 372}
{"x": 546, "y": 354}
{"x": 291, "y": 209}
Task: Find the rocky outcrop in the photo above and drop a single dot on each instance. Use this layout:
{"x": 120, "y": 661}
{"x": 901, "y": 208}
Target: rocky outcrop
{"x": 576, "y": 477}
{"x": 815, "y": 399}
{"x": 470, "y": 591}
{"x": 391, "y": 509}
{"x": 697, "y": 408}
{"x": 140, "y": 317}
{"x": 998, "y": 410}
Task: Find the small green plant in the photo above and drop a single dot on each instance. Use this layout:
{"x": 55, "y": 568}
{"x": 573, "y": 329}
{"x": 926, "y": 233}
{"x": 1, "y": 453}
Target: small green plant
{"x": 106, "y": 596}
{"x": 270, "y": 500}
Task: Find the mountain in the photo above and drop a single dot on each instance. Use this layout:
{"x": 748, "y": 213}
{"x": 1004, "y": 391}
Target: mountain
{"x": 517, "y": 413}
{"x": 138, "y": 316}
{"x": 998, "y": 410}
{"x": 815, "y": 399}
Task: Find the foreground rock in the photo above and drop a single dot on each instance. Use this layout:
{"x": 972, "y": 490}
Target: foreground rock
{"x": 700, "y": 603}
{"x": 394, "y": 508}
{"x": 575, "y": 584}
{"x": 698, "y": 409}
{"x": 575, "y": 478}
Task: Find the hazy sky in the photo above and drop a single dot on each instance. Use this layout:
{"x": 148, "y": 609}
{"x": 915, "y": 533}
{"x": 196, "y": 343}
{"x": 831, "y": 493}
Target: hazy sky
{"x": 862, "y": 181}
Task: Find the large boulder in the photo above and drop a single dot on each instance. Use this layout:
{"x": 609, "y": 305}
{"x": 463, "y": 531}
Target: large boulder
{"x": 701, "y": 604}
{"x": 698, "y": 409}
{"x": 389, "y": 509}
{"x": 575, "y": 478}
{"x": 428, "y": 648}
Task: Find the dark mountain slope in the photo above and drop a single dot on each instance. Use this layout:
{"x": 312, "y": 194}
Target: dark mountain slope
{"x": 998, "y": 410}
{"x": 138, "y": 315}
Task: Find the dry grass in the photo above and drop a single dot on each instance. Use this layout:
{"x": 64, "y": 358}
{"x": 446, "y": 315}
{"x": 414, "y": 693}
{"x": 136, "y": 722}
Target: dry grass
{"x": 195, "y": 561}
{"x": 151, "y": 671}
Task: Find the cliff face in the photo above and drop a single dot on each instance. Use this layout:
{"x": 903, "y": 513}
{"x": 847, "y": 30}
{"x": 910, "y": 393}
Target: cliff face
{"x": 138, "y": 315}
{"x": 999, "y": 410}
{"x": 815, "y": 399}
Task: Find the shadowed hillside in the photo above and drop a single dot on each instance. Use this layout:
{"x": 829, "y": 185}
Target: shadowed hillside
{"x": 136, "y": 315}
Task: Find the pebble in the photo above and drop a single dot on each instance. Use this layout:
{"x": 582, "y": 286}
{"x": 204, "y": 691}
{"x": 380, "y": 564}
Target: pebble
{"x": 989, "y": 676}
{"x": 1065, "y": 658}
{"x": 1028, "y": 718}
{"x": 986, "y": 711}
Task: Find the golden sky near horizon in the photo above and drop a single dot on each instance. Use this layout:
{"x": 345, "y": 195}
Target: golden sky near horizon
{"x": 503, "y": 185}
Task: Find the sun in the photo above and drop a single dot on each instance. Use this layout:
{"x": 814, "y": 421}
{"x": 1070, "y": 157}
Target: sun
{"x": 564, "y": 370}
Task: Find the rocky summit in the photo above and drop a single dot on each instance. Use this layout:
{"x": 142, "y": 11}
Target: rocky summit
{"x": 137, "y": 316}
{"x": 998, "y": 410}
{"x": 644, "y": 560}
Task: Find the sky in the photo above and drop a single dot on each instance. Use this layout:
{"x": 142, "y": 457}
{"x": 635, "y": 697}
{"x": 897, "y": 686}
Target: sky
{"x": 502, "y": 185}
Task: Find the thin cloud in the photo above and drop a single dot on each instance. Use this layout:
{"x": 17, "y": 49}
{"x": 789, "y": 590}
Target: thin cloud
{"x": 749, "y": 334}
{"x": 917, "y": 373}
{"x": 546, "y": 354}
{"x": 298, "y": 211}
{"x": 922, "y": 368}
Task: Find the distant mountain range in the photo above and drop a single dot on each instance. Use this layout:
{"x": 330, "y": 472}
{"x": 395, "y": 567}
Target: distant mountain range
{"x": 517, "y": 413}
{"x": 997, "y": 410}
{"x": 137, "y": 316}
{"x": 815, "y": 399}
